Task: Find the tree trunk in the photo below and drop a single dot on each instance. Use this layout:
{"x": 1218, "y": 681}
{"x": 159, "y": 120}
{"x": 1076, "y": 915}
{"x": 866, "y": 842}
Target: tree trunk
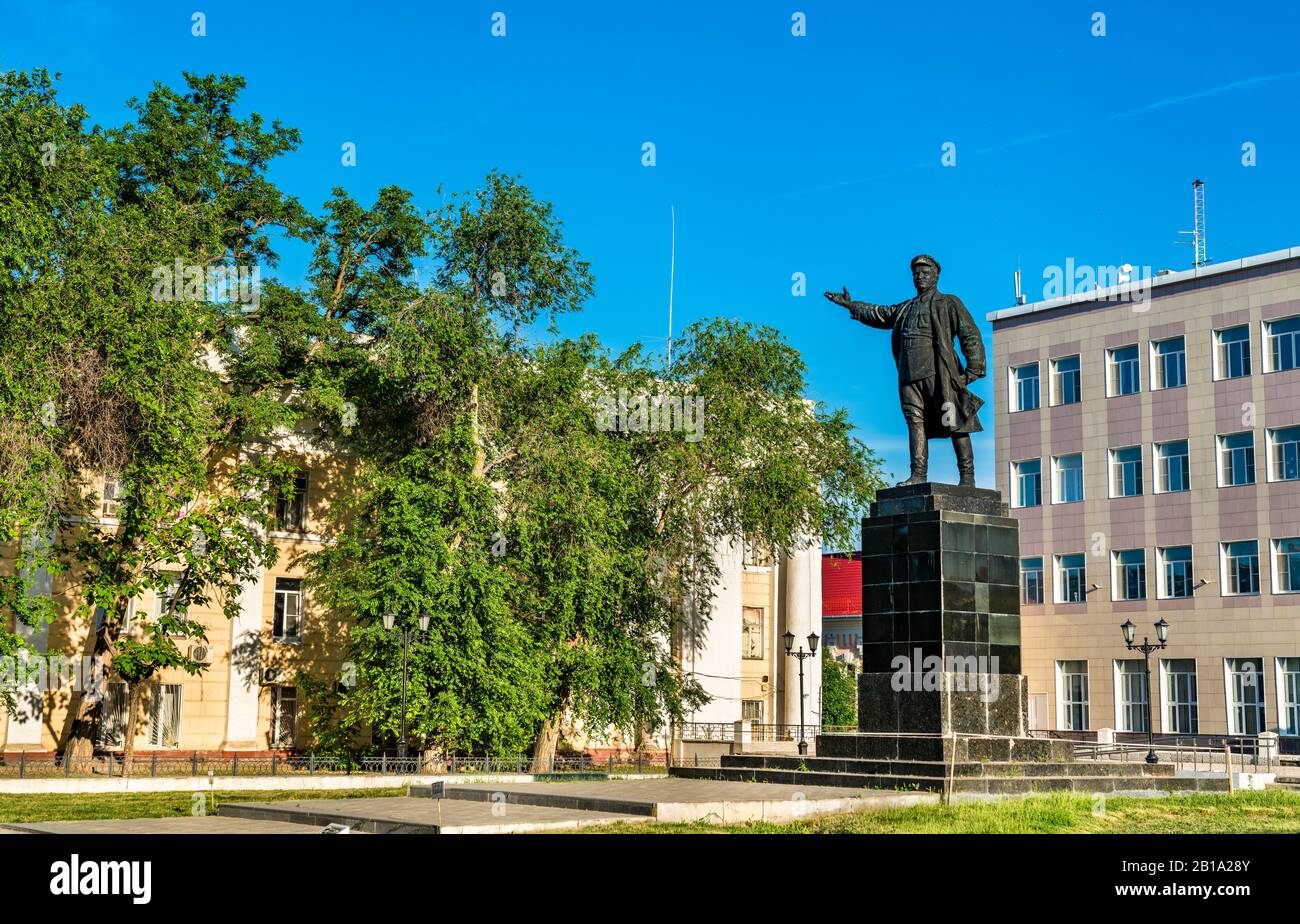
{"x": 547, "y": 740}
{"x": 128, "y": 727}
{"x": 80, "y": 746}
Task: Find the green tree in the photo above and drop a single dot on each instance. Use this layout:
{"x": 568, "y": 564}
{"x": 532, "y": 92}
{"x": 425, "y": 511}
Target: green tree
{"x": 839, "y": 692}
{"x": 104, "y": 369}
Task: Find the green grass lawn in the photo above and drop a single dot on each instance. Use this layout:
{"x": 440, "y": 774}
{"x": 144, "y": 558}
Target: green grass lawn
{"x": 17, "y": 808}
{"x": 1271, "y": 811}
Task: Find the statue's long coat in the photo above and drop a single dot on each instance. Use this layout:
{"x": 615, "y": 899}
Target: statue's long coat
{"x": 917, "y": 359}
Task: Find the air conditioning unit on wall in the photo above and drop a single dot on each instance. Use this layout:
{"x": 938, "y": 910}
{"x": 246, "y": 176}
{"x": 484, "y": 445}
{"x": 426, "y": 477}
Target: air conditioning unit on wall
{"x": 271, "y": 675}
{"x": 201, "y": 653}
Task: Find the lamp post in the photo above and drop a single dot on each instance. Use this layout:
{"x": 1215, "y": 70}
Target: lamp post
{"x": 1162, "y": 638}
{"x": 389, "y": 619}
{"x": 801, "y": 655}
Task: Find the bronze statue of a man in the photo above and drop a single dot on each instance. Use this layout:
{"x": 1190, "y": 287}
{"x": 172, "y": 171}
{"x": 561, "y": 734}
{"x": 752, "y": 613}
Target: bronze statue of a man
{"x": 931, "y": 381}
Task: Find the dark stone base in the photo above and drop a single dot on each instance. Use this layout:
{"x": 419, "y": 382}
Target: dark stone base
{"x": 944, "y": 703}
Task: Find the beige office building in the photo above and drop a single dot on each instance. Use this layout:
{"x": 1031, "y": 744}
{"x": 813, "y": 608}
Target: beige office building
{"x": 1148, "y": 439}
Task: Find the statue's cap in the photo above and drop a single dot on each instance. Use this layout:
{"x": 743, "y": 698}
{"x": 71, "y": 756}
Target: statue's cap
{"x": 926, "y": 258}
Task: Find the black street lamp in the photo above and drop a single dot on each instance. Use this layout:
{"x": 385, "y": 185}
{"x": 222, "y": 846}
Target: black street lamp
{"x": 389, "y": 619}
{"x": 801, "y": 655}
{"x": 1162, "y": 637}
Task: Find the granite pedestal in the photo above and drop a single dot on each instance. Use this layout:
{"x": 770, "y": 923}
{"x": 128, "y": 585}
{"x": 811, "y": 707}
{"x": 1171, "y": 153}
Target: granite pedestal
{"x": 941, "y": 614}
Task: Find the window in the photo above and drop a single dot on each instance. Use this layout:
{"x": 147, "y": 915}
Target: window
{"x": 1288, "y": 679}
{"x": 1031, "y": 580}
{"x": 1024, "y": 388}
{"x": 1237, "y": 459}
{"x": 112, "y": 716}
{"x": 284, "y": 716}
{"x": 757, "y": 555}
{"x": 1074, "y": 694}
{"x": 1126, "y": 472}
{"x": 1071, "y": 572}
{"x": 1283, "y": 340}
{"x": 288, "y": 610}
{"x": 1232, "y": 352}
{"x": 1027, "y": 476}
{"x": 1124, "y": 371}
{"x": 291, "y": 509}
{"x": 1284, "y": 454}
{"x": 1286, "y": 566}
{"x": 1066, "y": 386}
{"x": 1175, "y": 571}
{"x": 1067, "y": 475}
{"x": 752, "y": 710}
{"x": 1131, "y": 683}
{"x": 164, "y": 701}
{"x": 751, "y": 632}
{"x": 1240, "y": 567}
{"x": 111, "y": 501}
{"x": 1173, "y": 471}
{"x": 1246, "y": 695}
{"x": 1169, "y": 357}
{"x": 1130, "y": 574}
{"x": 1180, "y": 696}
{"x": 167, "y": 603}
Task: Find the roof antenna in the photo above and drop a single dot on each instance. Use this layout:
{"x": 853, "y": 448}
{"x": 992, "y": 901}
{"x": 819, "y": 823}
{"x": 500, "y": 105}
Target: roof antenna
{"x": 672, "y": 273}
{"x": 1198, "y": 226}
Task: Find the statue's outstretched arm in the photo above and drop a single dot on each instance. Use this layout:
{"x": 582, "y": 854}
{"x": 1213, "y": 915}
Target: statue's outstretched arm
{"x": 869, "y": 314}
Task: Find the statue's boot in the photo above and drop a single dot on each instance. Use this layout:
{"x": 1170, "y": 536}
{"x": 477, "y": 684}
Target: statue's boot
{"x": 965, "y": 459}
{"x": 920, "y": 450}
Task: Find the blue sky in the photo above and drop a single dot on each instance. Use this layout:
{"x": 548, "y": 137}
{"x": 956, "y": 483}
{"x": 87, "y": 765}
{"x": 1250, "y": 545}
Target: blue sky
{"x": 817, "y": 154}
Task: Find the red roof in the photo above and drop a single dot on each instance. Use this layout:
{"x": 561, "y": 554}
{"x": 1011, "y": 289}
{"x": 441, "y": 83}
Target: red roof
{"x": 842, "y": 585}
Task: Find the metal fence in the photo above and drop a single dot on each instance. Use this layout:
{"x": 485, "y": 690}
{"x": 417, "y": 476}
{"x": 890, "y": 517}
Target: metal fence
{"x": 1240, "y": 754}
{"x": 47, "y": 766}
{"x": 726, "y": 731}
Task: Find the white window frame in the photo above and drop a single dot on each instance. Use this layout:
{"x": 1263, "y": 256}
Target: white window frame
{"x": 1157, "y": 368}
{"x": 1014, "y": 382}
{"x": 1042, "y": 573}
{"x": 1061, "y": 702}
{"x": 1287, "y": 684}
{"x": 1221, "y": 452}
{"x": 110, "y": 503}
{"x": 1277, "y": 585}
{"x": 753, "y": 652}
{"x": 1271, "y": 445}
{"x": 1057, "y": 481}
{"x": 287, "y": 594}
{"x": 1122, "y": 703}
{"x": 276, "y": 732}
{"x": 297, "y": 505}
{"x": 1220, "y": 348}
{"x": 1267, "y": 341}
{"x": 164, "y": 704}
{"x": 1226, "y": 574}
{"x": 1015, "y": 482}
{"x": 1056, "y": 376}
{"x": 1158, "y": 471}
{"x": 1168, "y": 706}
{"x": 1119, "y": 581}
{"x": 1112, "y": 370}
{"x": 1162, "y": 587}
{"x": 1236, "y": 710}
{"x": 1060, "y": 583}
{"x": 1116, "y": 466}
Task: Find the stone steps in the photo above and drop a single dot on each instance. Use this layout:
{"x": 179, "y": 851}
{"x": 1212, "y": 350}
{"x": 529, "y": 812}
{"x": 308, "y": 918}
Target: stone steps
{"x": 917, "y": 768}
{"x": 969, "y": 785}
{"x": 935, "y": 748}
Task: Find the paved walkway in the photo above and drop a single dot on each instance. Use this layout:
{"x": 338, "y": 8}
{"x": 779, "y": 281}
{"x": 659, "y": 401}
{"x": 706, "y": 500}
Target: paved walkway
{"x": 210, "y": 824}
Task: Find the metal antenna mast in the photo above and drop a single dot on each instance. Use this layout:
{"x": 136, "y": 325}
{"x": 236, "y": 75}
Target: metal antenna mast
{"x": 672, "y": 272}
{"x": 1198, "y": 221}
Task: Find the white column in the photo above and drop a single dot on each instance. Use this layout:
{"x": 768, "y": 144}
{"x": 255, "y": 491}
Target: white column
{"x": 712, "y": 644}
{"x": 803, "y": 614}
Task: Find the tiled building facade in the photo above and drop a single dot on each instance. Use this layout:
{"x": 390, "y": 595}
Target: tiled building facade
{"x": 1150, "y": 448}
